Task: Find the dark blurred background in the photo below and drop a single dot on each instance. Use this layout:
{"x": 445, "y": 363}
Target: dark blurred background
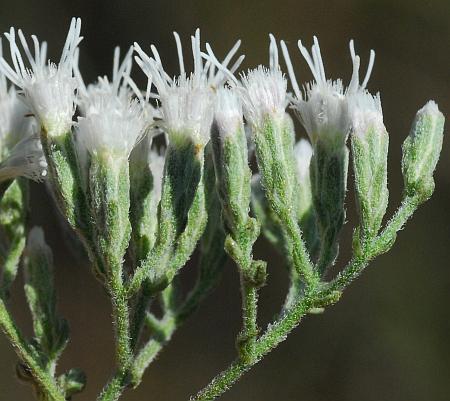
{"x": 388, "y": 338}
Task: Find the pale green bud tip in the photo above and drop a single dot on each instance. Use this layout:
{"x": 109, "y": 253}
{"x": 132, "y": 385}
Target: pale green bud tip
{"x": 228, "y": 112}
{"x": 303, "y": 153}
{"x": 156, "y": 163}
{"x": 366, "y": 114}
{"x": 36, "y": 241}
{"x": 431, "y": 108}
{"x": 422, "y": 148}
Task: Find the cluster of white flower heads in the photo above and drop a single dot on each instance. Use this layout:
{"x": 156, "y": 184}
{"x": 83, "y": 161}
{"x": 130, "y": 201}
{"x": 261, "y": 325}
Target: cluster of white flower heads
{"x": 114, "y": 114}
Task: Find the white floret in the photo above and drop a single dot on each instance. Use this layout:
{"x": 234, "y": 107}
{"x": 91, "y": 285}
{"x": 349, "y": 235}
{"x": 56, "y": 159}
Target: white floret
{"x": 48, "y": 89}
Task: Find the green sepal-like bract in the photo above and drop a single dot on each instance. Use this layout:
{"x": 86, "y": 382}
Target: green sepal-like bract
{"x": 274, "y": 151}
{"x": 370, "y": 152}
{"x": 421, "y": 151}
{"x": 144, "y": 201}
{"x": 274, "y": 141}
{"x": 72, "y": 382}
{"x": 181, "y": 217}
{"x": 66, "y": 179}
{"x": 180, "y": 209}
{"x": 234, "y": 189}
{"x": 270, "y": 224}
{"x": 211, "y": 247}
{"x": 109, "y": 200}
{"x": 329, "y": 168}
{"x": 13, "y": 211}
{"x": 51, "y": 332}
{"x": 233, "y": 176}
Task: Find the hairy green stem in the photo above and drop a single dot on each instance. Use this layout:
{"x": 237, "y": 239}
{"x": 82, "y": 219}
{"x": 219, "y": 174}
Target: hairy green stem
{"x": 274, "y": 335}
{"x": 278, "y": 331}
{"x": 300, "y": 256}
{"x": 166, "y": 327}
{"x": 114, "y": 389}
{"x": 121, "y": 321}
{"x": 377, "y": 246}
{"x": 248, "y": 335}
{"x": 142, "y": 303}
{"x": 43, "y": 379}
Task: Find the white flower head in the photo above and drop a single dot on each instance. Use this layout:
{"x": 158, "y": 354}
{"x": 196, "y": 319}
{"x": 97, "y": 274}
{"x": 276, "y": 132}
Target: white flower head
{"x": 20, "y": 149}
{"x": 325, "y": 112}
{"x": 264, "y": 90}
{"x": 303, "y": 153}
{"x": 113, "y": 115}
{"x": 48, "y": 89}
{"x": 228, "y": 112}
{"x": 187, "y": 101}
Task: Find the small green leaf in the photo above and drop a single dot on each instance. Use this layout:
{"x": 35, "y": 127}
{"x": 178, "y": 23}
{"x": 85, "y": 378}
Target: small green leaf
{"x": 51, "y": 331}
{"x": 73, "y": 382}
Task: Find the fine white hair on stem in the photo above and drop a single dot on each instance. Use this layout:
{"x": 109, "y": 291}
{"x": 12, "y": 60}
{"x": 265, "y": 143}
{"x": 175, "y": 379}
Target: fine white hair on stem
{"x": 47, "y": 88}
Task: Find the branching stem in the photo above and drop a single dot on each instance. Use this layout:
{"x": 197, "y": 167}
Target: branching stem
{"x": 43, "y": 379}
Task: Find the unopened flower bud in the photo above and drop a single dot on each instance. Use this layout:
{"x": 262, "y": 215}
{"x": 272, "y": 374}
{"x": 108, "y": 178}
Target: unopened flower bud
{"x": 231, "y": 159}
{"x": 421, "y": 151}
{"x": 370, "y": 143}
